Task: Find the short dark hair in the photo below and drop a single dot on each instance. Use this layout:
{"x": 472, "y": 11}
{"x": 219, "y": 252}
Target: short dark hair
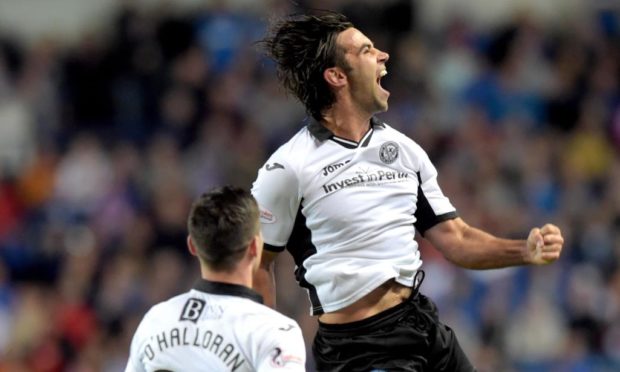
{"x": 221, "y": 224}
{"x": 303, "y": 46}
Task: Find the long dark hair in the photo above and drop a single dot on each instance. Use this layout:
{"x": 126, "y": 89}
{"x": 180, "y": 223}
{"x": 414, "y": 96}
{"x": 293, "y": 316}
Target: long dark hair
{"x": 303, "y": 46}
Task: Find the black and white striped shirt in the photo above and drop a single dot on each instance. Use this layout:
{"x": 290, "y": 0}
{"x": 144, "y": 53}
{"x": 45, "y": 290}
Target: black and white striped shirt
{"x": 348, "y": 211}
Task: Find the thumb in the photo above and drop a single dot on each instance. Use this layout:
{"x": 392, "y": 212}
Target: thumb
{"x": 536, "y": 237}
{"x": 539, "y": 241}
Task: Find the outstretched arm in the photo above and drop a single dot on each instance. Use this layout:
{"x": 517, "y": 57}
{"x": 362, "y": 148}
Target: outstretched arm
{"x": 473, "y": 248}
{"x": 264, "y": 278}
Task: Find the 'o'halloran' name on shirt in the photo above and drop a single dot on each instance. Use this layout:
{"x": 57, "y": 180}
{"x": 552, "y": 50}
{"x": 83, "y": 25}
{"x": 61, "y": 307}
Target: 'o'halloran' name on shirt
{"x": 194, "y": 337}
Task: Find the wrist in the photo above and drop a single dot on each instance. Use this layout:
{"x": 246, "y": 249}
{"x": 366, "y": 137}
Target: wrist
{"x": 526, "y": 253}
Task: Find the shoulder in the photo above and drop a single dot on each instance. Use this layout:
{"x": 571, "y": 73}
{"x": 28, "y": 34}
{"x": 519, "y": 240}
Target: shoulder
{"x": 390, "y": 132}
{"x": 294, "y": 151}
{"x": 165, "y": 311}
{"x": 264, "y": 314}
{"x": 405, "y": 146}
{"x": 281, "y": 171}
{"x": 269, "y": 321}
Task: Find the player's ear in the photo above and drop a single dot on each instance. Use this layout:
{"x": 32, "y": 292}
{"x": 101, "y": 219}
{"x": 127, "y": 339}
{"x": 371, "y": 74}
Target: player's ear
{"x": 335, "y": 76}
{"x": 191, "y": 247}
{"x": 253, "y": 247}
{"x": 256, "y": 245}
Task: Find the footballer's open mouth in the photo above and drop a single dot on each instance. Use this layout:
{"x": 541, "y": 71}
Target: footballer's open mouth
{"x": 382, "y": 73}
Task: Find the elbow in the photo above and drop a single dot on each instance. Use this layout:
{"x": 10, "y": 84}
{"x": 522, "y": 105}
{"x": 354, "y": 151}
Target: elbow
{"x": 453, "y": 239}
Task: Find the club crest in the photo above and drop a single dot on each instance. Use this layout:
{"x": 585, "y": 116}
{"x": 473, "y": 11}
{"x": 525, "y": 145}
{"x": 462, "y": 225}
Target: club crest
{"x": 388, "y": 152}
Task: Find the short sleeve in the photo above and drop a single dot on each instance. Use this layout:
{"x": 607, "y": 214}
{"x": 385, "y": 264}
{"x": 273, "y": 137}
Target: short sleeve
{"x": 276, "y": 191}
{"x": 134, "y": 364}
{"x": 432, "y": 205}
{"x": 284, "y": 350}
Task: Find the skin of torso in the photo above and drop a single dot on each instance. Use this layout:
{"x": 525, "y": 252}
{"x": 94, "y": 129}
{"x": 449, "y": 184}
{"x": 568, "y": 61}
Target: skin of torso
{"x": 386, "y": 296}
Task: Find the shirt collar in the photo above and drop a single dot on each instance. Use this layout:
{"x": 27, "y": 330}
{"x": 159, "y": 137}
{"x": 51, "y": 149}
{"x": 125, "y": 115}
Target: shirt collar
{"x": 320, "y": 132}
{"x": 228, "y": 289}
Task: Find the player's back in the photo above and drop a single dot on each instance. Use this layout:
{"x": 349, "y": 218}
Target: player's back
{"x": 216, "y": 327}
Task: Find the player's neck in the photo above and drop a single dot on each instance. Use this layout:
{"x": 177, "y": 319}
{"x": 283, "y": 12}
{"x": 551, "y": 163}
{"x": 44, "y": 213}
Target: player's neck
{"x": 346, "y": 122}
{"x": 237, "y": 276}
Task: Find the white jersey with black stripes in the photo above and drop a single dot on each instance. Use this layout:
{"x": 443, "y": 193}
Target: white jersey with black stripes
{"x": 348, "y": 211}
{"x": 216, "y": 327}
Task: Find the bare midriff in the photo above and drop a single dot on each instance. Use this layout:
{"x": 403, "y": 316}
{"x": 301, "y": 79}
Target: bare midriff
{"x": 387, "y": 295}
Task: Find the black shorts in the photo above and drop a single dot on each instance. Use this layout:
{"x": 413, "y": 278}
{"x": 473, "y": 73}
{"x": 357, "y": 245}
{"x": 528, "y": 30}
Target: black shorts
{"x": 407, "y": 337}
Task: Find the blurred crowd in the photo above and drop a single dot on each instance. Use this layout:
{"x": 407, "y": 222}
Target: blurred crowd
{"x": 104, "y": 144}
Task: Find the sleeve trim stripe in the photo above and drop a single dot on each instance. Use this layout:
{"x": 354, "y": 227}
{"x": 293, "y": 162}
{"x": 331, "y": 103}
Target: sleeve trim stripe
{"x": 425, "y": 214}
{"x": 273, "y": 248}
{"x": 438, "y": 219}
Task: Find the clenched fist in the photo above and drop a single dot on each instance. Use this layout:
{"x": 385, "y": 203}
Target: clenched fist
{"x": 544, "y": 245}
